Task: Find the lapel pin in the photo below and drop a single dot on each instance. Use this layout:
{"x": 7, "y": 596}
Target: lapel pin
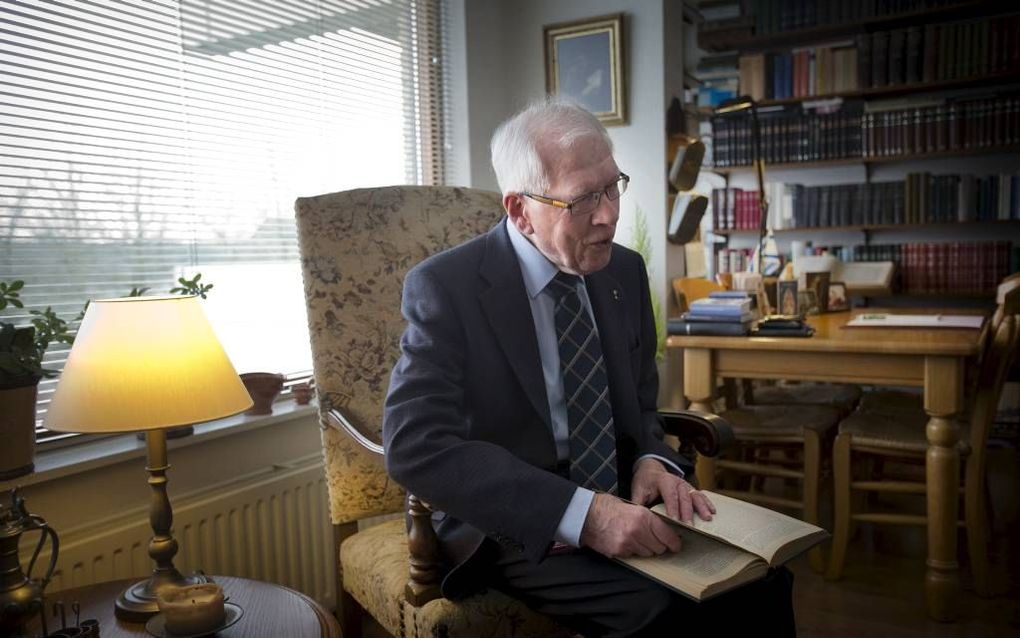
{"x": 616, "y": 294}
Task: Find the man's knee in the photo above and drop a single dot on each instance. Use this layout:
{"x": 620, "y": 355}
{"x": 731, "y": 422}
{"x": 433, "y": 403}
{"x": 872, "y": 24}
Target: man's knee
{"x": 642, "y": 612}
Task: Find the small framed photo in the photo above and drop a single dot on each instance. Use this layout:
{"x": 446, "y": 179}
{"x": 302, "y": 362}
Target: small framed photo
{"x": 584, "y": 62}
{"x": 838, "y": 299}
{"x": 787, "y": 301}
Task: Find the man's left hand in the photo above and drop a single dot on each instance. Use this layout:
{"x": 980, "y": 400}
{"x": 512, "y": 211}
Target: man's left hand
{"x": 652, "y": 481}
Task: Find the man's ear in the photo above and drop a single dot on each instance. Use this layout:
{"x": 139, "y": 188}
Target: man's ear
{"x": 517, "y": 212}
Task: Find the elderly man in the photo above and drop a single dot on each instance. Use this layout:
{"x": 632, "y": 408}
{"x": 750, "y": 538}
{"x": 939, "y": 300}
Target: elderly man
{"x": 523, "y": 405}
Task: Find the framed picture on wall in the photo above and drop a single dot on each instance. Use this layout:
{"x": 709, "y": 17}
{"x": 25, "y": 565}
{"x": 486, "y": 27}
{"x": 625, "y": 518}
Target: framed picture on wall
{"x": 584, "y": 62}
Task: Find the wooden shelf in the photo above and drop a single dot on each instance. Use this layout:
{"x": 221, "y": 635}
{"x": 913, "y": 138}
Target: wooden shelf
{"x": 985, "y": 82}
{"x": 887, "y": 159}
{"x": 870, "y": 227}
{"x": 842, "y": 30}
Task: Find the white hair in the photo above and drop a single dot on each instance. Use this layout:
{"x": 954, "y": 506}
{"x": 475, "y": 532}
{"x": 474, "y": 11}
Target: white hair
{"x": 547, "y": 122}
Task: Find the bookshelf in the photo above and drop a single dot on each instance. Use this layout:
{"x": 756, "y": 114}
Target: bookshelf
{"x": 886, "y": 159}
{"x": 941, "y": 106}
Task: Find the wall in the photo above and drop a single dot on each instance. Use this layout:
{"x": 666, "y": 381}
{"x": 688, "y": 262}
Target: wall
{"x": 506, "y": 69}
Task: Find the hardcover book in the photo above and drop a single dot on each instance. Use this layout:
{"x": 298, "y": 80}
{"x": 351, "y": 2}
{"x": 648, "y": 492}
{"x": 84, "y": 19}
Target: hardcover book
{"x": 738, "y": 546}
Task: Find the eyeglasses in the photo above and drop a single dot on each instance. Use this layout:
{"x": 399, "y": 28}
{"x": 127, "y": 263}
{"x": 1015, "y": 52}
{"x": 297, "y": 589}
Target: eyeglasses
{"x": 587, "y": 203}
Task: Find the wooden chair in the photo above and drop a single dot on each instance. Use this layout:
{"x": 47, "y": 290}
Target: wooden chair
{"x": 356, "y": 247}
{"x": 780, "y": 432}
{"x": 890, "y": 427}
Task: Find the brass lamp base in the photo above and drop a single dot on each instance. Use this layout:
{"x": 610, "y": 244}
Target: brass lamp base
{"x": 137, "y": 603}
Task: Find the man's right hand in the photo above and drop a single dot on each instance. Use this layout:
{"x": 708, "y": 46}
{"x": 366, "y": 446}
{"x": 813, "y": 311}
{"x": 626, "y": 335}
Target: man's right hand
{"x": 618, "y": 529}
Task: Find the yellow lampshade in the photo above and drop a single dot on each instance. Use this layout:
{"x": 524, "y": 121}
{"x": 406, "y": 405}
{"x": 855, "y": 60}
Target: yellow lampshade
{"x": 142, "y": 363}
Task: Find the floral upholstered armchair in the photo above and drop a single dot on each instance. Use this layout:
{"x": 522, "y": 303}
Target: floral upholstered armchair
{"x": 356, "y": 247}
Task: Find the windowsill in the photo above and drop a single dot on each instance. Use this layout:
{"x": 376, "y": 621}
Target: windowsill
{"x": 65, "y": 461}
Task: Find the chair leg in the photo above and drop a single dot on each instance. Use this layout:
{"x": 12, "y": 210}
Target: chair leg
{"x": 977, "y": 536}
{"x": 841, "y": 497}
{"x": 705, "y": 471}
{"x": 352, "y": 615}
{"x": 812, "y": 479}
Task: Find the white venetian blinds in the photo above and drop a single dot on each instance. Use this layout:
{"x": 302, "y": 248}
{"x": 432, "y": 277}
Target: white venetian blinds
{"x": 144, "y": 140}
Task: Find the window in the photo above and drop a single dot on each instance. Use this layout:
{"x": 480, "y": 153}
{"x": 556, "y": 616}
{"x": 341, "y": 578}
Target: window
{"x": 145, "y": 140}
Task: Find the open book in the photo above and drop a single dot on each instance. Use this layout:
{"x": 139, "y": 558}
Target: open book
{"x": 736, "y": 547}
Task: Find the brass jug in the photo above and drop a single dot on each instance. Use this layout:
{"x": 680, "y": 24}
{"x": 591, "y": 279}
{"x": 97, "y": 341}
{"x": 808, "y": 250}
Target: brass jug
{"x": 21, "y": 596}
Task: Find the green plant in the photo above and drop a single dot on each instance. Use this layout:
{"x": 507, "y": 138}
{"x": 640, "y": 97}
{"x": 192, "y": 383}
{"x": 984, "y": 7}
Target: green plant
{"x": 643, "y": 246}
{"x": 23, "y": 347}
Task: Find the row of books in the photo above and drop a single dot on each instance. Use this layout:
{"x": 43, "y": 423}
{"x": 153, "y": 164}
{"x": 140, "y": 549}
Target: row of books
{"x": 952, "y": 267}
{"x": 946, "y": 126}
{"x": 921, "y": 198}
{"x": 733, "y": 259}
{"x": 790, "y": 133}
{"x": 801, "y": 73}
{"x": 938, "y": 52}
{"x": 777, "y": 16}
{"x": 933, "y": 53}
{"x": 839, "y": 129}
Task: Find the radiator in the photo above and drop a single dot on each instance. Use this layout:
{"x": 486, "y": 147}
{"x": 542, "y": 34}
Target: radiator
{"x": 272, "y": 525}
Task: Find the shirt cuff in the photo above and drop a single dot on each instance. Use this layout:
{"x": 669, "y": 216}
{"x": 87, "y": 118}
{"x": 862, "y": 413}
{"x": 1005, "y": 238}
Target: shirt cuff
{"x": 670, "y": 465}
{"x": 572, "y": 522}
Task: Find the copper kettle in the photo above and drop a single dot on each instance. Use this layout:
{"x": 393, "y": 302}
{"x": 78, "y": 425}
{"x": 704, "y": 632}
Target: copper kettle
{"x": 20, "y": 595}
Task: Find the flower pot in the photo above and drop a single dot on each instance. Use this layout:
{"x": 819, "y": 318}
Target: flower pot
{"x": 302, "y": 393}
{"x": 263, "y": 388}
{"x": 17, "y": 431}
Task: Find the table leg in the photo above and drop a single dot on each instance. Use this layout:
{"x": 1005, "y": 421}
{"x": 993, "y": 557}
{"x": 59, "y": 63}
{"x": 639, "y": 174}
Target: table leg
{"x": 943, "y": 399}
{"x": 699, "y": 387}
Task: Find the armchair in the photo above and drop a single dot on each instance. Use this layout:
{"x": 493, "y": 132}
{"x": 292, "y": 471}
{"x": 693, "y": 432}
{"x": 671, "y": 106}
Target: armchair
{"x": 356, "y": 247}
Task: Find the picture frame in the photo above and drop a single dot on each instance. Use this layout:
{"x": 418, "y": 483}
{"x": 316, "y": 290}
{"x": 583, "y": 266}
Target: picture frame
{"x": 787, "y": 301}
{"x": 838, "y": 299}
{"x": 584, "y": 62}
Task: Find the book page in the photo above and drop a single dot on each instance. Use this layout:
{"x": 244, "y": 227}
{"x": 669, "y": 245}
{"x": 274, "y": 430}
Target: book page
{"x": 761, "y": 531}
{"x": 701, "y": 563}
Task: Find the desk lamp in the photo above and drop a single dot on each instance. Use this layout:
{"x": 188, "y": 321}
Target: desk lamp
{"x": 146, "y": 364}
{"x": 739, "y": 105}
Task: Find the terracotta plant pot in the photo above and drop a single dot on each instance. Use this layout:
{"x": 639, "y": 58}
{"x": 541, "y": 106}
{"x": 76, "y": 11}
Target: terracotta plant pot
{"x": 263, "y": 388}
{"x": 17, "y": 431}
{"x": 302, "y": 393}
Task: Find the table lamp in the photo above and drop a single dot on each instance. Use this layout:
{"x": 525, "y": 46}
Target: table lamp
{"x": 739, "y": 105}
{"x": 146, "y": 364}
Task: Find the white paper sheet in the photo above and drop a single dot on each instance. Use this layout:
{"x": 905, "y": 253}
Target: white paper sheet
{"x": 882, "y": 320}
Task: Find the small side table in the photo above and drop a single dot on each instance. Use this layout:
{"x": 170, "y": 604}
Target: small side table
{"x": 270, "y": 610}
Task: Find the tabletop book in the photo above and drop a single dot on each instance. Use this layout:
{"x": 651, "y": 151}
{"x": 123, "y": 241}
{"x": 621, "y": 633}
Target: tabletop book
{"x": 736, "y": 547}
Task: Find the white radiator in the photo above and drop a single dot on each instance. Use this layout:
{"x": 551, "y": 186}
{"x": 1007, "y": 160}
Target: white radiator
{"x": 271, "y": 526}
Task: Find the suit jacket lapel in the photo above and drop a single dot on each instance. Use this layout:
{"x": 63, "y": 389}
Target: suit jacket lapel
{"x": 608, "y": 303}
{"x": 508, "y": 310}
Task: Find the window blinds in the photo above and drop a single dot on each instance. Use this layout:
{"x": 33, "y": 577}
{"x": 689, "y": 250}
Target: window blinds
{"x": 146, "y": 140}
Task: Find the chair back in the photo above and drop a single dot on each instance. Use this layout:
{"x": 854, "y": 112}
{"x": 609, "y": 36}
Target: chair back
{"x": 992, "y": 377}
{"x": 688, "y": 289}
{"x": 356, "y": 247}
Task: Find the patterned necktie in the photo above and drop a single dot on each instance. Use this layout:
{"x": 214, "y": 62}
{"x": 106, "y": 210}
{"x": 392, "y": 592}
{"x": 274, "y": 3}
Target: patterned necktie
{"x": 585, "y": 388}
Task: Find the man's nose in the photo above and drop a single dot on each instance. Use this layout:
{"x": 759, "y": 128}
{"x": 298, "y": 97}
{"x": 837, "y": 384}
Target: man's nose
{"x": 607, "y": 212}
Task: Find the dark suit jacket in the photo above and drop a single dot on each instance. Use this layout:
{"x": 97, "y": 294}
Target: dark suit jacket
{"x": 467, "y": 426}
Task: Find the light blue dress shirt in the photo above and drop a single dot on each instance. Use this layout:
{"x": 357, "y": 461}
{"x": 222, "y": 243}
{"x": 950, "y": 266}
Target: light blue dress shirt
{"x": 538, "y": 271}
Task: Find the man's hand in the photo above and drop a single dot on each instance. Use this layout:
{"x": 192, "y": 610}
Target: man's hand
{"x": 652, "y": 481}
{"x": 616, "y": 528}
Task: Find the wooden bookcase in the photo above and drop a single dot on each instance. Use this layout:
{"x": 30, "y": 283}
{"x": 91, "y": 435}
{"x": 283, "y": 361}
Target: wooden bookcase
{"x": 900, "y": 103}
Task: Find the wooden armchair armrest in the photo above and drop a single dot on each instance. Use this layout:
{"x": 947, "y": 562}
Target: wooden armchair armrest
{"x": 425, "y": 570}
{"x": 336, "y": 419}
{"x": 709, "y": 434}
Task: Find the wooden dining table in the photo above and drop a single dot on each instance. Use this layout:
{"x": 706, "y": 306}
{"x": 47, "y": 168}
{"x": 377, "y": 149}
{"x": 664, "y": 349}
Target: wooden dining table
{"x": 935, "y": 359}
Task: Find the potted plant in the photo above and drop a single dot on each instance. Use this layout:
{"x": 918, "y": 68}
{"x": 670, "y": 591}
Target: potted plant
{"x": 22, "y": 348}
